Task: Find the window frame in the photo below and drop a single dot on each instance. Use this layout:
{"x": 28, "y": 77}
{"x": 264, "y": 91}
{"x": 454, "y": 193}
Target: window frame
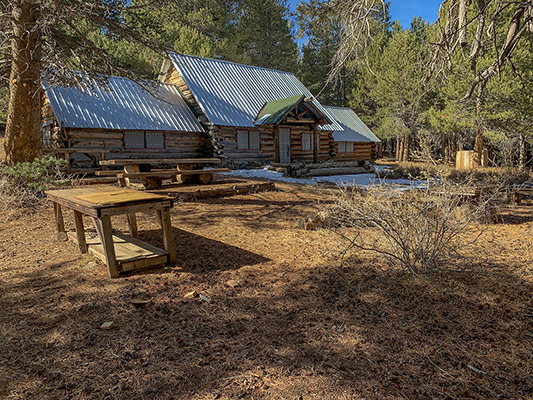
{"x": 345, "y": 143}
{"x": 311, "y": 142}
{"x": 145, "y": 142}
{"x": 248, "y": 131}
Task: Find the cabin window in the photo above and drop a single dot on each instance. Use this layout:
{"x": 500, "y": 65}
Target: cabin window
{"x": 154, "y": 140}
{"x": 345, "y": 147}
{"x": 144, "y": 140}
{"x": 307, "y": 141}
{"x": 248, "y": 140}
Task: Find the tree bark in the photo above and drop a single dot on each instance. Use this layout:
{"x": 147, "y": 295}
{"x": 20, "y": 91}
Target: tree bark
{"x": 23, "y": 128}
{"x": 405, "y": 148}
{"x": 453, "y": 147}
{"x": 478, "y": 143}
{"x": 522, "y": 155}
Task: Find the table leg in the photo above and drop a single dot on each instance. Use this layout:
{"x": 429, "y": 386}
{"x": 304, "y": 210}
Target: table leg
{"x": 80, "y": 231}
{"x": 168, "y": 234}
{"x": 105, "y": 233}
{"x": 132, "y": 223}
{"x": 60, "y": 224}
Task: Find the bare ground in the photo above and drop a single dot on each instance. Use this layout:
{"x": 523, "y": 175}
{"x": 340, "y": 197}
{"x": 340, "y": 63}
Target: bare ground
{"x": 298, "y": 326}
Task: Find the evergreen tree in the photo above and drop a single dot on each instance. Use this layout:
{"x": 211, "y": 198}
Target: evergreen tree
{"x": 263, "y": 35}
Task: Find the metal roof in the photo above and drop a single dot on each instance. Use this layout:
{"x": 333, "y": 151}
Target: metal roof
{"x": 354, "y": 130}
{"x": 232, "y": 94}
{"x": 121, "y": 103}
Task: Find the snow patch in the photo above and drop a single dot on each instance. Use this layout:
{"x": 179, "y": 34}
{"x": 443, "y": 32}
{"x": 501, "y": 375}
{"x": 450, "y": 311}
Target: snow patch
{"x": 359, "y": 180}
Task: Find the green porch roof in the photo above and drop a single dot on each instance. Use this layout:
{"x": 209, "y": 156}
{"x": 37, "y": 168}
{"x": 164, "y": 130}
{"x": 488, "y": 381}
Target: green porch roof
{"x": 274, "y": 111}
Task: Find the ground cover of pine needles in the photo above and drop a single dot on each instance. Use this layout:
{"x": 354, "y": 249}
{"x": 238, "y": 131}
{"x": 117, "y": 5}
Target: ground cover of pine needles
{"x": 296, "y": 326}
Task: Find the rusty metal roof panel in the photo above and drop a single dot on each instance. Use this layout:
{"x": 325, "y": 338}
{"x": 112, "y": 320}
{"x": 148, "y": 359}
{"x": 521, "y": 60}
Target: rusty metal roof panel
{"x": 121, "y": 103}
{"x": 354, "y": 130}
{"x": 232, "y": 94}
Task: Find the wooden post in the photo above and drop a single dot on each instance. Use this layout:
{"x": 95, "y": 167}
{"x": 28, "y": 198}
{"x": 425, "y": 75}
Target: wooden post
{"x": 168, "y": 234}
{"x": 105, "y": 233}
{"x": 60, "y": 224}
{"x": 316, "y": 142}
{"x": 132, "y": 224}
{"x": 80, "y": 231}
{"x": 276, "y": 143}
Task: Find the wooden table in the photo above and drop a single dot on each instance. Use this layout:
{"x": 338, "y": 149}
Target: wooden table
{"x": 120, "y": 252}
{"x": 188, "y": 169}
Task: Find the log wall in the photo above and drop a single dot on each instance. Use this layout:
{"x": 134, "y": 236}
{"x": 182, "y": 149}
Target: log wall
{"x": 225, "y": 146}
{"x": 361, "y": 151}
{"x": 177, "y": 144}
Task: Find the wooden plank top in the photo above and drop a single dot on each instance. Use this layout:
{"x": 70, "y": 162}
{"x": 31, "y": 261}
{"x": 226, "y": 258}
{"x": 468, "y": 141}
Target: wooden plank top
{"x": 71, "y": 199}
{"x": 133, "y": 161}
{"x": 118, "y": 197}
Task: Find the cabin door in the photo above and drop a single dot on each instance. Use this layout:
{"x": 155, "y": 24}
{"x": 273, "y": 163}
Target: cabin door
{"x": 284, "y": 145}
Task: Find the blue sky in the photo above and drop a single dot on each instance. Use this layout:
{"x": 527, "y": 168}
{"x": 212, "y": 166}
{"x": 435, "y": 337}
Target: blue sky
{"x": 404, "y": 11}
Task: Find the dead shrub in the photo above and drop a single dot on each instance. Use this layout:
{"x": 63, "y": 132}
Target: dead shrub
{"x": 417, "y": 230}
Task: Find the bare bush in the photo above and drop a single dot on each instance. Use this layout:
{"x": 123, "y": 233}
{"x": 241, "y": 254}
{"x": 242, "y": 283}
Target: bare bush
{"x": 22, "y": 185}
{"x": 417, "y": 230}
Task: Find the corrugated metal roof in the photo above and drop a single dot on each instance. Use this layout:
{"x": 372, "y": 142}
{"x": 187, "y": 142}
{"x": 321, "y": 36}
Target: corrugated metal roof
{"x": 232, "y": 94}
{"x": 354, "y": 130}
{"x": 120, "y": 103}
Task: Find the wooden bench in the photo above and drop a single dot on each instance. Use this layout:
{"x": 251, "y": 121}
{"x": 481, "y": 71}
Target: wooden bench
{"x": 141, "y": 170}
{"x": 515, "y": 193}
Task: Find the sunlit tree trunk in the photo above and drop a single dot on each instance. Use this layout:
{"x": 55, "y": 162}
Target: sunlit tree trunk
{"x": 478, "y": 143}
{"x": 23, "y": 142}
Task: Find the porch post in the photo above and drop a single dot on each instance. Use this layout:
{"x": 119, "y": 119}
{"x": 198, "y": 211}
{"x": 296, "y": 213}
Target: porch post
{"x": 276, "y": 143}
{"x": 315, "y": 142}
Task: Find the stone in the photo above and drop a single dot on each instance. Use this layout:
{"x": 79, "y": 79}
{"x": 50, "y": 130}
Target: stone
{"x": 191, "y": 295}
{"x": 204, "y": 298}
{"x": 232, "y": 283}
{"x": 107, "y": 325}
{"x": 140, "y": 303}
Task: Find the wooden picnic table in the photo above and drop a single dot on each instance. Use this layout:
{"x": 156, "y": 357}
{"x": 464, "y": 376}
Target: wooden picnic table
{"x": 120, "y": 252}
{"x": 188, "y": 169}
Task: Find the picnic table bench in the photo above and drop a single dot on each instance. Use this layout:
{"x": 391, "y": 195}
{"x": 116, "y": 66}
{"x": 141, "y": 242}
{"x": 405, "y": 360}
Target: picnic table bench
{"x": 516, "y": 192}
{"x": 120, "y": 252}
{"x": 141, "y": 170}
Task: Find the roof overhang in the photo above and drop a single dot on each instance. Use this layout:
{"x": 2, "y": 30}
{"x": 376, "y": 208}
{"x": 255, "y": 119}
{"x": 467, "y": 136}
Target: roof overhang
{"x": 290, "y": 110}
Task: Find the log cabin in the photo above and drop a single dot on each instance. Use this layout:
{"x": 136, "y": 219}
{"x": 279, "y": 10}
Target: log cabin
{"x": 253, "y": 115}
{"x": 355, "y": 141}
{"x": 114, "y": 117}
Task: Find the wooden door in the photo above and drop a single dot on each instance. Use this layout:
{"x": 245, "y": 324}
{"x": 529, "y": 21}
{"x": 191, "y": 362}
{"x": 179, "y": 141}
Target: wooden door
{"x": 284, "y": 145}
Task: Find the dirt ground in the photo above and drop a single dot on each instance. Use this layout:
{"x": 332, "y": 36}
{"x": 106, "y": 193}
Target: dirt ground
{"x": 298, "y": 325}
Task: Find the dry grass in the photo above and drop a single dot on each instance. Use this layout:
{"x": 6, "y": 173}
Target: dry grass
{"x": 297, "y": 326}
{"x": 477, "y": 176}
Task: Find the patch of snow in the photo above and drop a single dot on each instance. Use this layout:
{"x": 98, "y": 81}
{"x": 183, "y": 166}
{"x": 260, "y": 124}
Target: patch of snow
{"x": 359, "y": 180}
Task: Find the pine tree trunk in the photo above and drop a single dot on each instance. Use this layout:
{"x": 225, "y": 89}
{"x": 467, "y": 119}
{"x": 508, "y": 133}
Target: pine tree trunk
{"x": 399, "y": 150}
{"x": 406, "y": 147}
{"x": 453, "y": 147}
{"x": 522, "y": 155}
{"x": 478, "y": 143}
{"x": 23, "y": 139}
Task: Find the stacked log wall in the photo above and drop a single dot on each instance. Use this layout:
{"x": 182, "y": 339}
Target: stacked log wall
{"x": 362, "y": 151}
{"x": 325, "y": 144}
{"x": 177, "y": 144}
